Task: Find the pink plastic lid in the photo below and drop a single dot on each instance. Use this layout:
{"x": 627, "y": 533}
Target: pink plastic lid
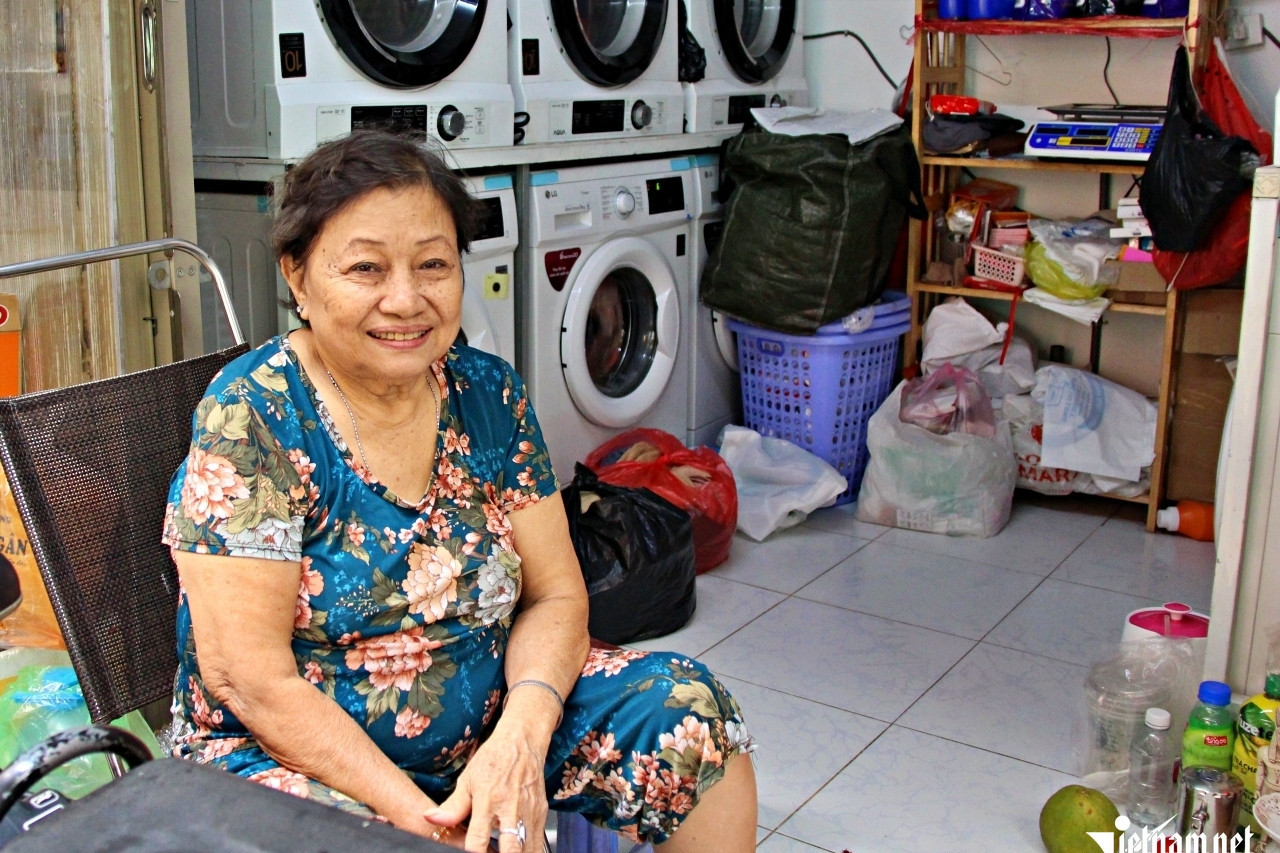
{"x": 1172, "y": 620}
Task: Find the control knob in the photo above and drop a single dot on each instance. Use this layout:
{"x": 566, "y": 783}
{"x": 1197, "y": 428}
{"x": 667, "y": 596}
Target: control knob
{"x": 641, "y": 115}
{"x": 624, "y": 202}
{"x": 450, "y": 123}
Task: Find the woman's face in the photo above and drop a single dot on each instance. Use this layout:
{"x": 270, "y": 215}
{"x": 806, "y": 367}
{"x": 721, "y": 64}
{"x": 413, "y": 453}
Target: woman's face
{"x": 382, "y": 288}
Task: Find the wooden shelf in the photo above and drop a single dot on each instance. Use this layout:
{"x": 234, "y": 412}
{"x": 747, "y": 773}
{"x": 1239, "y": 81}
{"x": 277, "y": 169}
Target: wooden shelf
{"x": 1118, "y": 304}
{"x": 1095, "y": 167}
{"x": 939, "y": 67}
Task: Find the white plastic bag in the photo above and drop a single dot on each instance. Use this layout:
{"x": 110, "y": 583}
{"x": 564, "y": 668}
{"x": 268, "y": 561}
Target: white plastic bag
{"x": 779, "y": 483}
{"x": 1094, "y": 425}
{"x": 957, "y": 484}
{"x": 957, "y": 333}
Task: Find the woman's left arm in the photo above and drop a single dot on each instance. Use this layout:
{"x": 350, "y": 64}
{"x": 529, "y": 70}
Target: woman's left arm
{"x": 503, "y": 783}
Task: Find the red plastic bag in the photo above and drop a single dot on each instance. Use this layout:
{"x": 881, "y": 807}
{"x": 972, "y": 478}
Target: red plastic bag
{"x": 1223, "y": 254}
{"x": 949, "y": 399}
{"x": 695, "y": 479}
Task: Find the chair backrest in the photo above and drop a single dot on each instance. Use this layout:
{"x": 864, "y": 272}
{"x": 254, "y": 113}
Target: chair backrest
{"x": 89, "y": 467}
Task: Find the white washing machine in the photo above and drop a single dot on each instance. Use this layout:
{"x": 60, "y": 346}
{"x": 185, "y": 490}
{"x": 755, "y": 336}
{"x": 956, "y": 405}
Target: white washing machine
{"x": 273, "y": 78}
{"x": 754, "y": 56}
{"x": 595, "y": 69}
{"x": 488, "y": 270}
{"x": 606, "y": 267}
{"x": 715, "y": 388}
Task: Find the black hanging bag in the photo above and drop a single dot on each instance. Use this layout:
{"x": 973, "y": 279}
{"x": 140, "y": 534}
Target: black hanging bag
{"x": 1195, "y": 170}
{"x": 810, "y": 226}
{"x": 637, "y": 557}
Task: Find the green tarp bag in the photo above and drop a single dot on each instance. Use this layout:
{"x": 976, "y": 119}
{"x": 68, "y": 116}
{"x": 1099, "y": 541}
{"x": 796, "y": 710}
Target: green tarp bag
{"x": 810, "y": 227}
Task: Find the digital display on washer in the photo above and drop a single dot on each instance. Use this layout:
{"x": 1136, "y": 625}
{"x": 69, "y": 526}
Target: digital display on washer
{"x": 740, "y": 107}
{"x": 490, "y": 224}
{"x": 598, "y": 116}
{"x": 665, "y": 194}
{"x": 406, "y": 117}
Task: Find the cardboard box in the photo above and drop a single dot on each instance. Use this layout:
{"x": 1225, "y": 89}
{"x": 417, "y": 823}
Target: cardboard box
{"x": 1212, "y": 321}
{"x": 10, "y": 346}
{"x": 1137, "y": 282}
{"x": 1201, "y": 392}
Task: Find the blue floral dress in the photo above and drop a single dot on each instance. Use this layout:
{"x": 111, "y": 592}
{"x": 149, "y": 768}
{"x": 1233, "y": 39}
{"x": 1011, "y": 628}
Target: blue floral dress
{"x": 404, "y": 610}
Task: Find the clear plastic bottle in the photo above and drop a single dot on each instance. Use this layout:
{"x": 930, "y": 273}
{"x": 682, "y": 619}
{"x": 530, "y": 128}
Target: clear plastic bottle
{"x": 1153, "y": 764}
{"x": 1210, "y": 733}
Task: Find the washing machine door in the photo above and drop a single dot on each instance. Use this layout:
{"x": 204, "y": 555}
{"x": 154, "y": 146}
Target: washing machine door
{"x": 620, "y": 332}
{"x": 755, "y": 35}
{"x": 610, "y": 42}
{"x": 404, "y": 44}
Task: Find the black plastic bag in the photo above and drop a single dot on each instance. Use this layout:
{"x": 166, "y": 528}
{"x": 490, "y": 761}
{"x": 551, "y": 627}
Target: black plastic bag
{"x": 810, "y": 227}
{"x": 1195, "y": 171}
{"x": 637, "y": 557}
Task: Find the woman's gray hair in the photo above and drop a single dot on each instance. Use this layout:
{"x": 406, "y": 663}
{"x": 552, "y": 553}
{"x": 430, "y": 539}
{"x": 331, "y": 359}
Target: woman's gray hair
{"x": 342, "y": 170}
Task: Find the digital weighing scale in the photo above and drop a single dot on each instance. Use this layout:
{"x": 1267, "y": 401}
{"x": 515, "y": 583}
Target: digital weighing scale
{"x": 1097, "y": 132}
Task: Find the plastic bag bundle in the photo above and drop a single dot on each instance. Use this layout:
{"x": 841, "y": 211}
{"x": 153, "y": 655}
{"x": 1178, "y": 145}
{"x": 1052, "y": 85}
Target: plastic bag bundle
{"x": 1067, "y": 258}
{"x": 636, "y": 553}
{"x": 950, "y": 399}
{"x": 695, "y": 479}
{"x": 958, "y": 484}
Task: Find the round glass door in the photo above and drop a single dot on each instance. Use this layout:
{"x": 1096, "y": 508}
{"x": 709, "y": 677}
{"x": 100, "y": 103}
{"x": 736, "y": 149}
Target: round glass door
{"x": 405, "y": 44}
{"x": 620, "y": 332}
{"x": 755, "y": 35}
{"x": 610, "y": 42}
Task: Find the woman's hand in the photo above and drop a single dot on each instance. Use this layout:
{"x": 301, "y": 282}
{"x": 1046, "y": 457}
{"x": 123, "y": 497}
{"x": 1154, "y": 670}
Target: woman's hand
{"x": 500, "y": 788}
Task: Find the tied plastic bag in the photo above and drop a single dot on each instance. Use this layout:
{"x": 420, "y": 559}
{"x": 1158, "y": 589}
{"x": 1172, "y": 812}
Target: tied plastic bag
{"x": 44, "y": 700}
{"x": 32, "y": 624}
{"x": 958, "y": 484}
{"x": 1195, "y": 170}
{"x": 695, "y": 479}
{"x": 950, "y": 399}
{"x": 956, "y": 332}
{"x": 779, "y": 483}
{"x": 636, "y": 553}
{"x": 1067, "y": 258}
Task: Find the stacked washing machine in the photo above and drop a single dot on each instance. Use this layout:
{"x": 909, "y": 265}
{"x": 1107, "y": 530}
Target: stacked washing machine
{"x": 715, "y": 388}
{"x": 754, "y": 58}
{"x": 607, "y": 260}
{"x": 273, "y": 78}
{"x": 595, "y": 69}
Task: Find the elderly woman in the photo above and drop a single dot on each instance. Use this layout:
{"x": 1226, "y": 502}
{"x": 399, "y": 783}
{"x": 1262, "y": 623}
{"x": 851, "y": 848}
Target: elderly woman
{"x": 381, "y": 608}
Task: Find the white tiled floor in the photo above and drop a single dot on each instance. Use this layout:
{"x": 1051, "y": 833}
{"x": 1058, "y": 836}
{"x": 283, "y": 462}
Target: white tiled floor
{"x": 916, "y": 692}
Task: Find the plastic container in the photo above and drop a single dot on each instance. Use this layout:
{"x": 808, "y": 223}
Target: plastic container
{"x": 997, "y": 266}
{"x": 1173, "y": 619}
{"x": 819, "y": 391}
{"x": 953, "y": 10}
{"x": 1255, "y": 730}
{"x": 1153, "y": 767}
{"x": 1208, "y": 739}
{"x": 1193, "y": 519}
{"x": 1117, "y": 706}
{"x": 989, "y": 9}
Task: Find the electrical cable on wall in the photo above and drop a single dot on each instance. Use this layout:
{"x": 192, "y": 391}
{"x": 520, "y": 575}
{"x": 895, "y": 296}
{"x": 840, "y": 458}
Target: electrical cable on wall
{"x": 1270, "y": 36}
{"x": 885, "y": 74}
{"x": 1106, "y": 68}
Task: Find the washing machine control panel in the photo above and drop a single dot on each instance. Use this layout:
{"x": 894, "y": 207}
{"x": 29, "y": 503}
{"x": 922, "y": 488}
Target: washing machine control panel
{"x": 641, "y": 115}
{"x": 461, "y": 123}
{"x": 610, "y": 118}
{"x": 450, "y": 123}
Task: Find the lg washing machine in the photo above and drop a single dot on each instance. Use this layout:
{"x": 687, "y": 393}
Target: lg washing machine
{"x": 595, "y": 69}
{"x": 607, "y": 266}
{"x": 488, "y": 303}
{"x": 754, "y": 59}
{"x": 273, "y": 78}
{"x": 715, "y": 388}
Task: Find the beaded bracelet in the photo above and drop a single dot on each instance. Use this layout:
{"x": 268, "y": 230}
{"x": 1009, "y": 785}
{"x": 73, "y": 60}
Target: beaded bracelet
{"x": 533, "y": 682}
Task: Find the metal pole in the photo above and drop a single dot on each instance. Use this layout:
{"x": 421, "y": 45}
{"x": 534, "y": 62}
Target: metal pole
{"x": 167, "y": 245}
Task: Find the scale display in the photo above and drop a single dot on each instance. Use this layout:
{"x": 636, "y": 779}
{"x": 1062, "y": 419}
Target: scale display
{"x": 1105, "y": 140}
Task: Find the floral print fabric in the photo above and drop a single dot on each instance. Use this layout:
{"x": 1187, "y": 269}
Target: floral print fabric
{"x": 404, "y": 607}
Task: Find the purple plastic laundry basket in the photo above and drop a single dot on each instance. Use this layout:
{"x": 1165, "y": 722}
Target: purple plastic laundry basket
{"x": 819, "y": 391}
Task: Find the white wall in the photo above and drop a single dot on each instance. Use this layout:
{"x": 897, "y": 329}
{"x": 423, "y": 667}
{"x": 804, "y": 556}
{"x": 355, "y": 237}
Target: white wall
{"x": 840, "y": 74}
{"x": 1257, "y": 69}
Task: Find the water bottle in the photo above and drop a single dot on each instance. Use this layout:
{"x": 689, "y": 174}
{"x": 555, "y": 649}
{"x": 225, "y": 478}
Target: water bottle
{"x": 1207, "y": 741}
{"x": 1153, "y": 760}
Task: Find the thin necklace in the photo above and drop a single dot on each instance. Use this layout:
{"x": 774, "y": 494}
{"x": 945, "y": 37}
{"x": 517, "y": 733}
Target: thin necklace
{"x": 355, "y": 427}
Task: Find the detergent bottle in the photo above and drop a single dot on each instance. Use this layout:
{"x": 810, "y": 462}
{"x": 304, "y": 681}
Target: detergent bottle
{"x": 1193, "y": 519}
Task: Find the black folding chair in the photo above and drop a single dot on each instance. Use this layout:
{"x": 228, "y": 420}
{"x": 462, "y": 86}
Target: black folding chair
{"x": 89, "y": 467}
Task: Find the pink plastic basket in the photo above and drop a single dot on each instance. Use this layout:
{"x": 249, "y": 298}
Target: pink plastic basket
{"x": 997, "y": 266}
{"x": 819, "y": 392}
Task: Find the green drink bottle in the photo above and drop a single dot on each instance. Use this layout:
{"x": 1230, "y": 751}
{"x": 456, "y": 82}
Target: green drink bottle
{"x": 1210, "y": 731}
